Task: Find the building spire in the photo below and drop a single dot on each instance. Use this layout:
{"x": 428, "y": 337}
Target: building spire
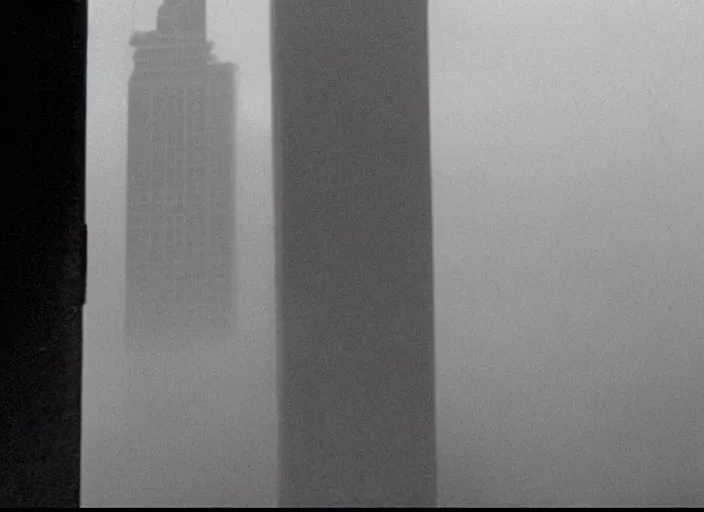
{"x": 182, "y": 17}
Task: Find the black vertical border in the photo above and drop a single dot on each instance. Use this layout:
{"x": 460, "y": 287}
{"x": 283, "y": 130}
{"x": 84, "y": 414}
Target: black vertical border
{"x": 45, "y": 266}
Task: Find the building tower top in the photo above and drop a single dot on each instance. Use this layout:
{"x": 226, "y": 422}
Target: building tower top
{"x": 180, "y": 38}
{"x": 182, "y": 17}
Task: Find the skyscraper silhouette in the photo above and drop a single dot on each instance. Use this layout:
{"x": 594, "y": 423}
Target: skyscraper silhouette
{"x": 179, "y": 198}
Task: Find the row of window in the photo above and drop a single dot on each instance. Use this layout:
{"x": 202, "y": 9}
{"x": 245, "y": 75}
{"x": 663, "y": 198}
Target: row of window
{"x": 167, "y": 203}
{"x": 158, "y": 130}
{"x": 177, "y": 212}
{"x": 195, "y": 156}
{"x": 150, "y": 270}
{"x": 148, "y": 140}
{"x": 214, "y": 265}
{"x": 187, "y": 254}
{"x": 178, "y": 239}
{"x": 185, "y": 68}
{"x": 180, "y": 243}
{"x": 178, "y": 299}
{"x": 170, "y": 202}
{"x": 154, "y": 249}
{"x": 176, "y": 174}
{"x": 184, "y": 287}
{"x": 178, "y": 217}
{"x": 164, "y": 103}
{"x": 188, "y": 204}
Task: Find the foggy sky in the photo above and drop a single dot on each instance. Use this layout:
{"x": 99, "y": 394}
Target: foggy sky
{"x": 569, "y": 276}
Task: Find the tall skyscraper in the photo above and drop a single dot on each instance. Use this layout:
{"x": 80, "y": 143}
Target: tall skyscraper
{"x": 180, "y": 213}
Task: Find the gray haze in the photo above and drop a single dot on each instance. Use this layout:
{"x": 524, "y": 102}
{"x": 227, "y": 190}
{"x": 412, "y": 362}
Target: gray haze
{"x": 214, "y": 438}
{"x": 569, "y": 209}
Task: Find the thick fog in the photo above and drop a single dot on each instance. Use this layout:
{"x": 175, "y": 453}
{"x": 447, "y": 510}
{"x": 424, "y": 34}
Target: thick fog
{"x": 568, "y": 162}
{"x": 568, "y": 175}
{"x": 200, "y": 429}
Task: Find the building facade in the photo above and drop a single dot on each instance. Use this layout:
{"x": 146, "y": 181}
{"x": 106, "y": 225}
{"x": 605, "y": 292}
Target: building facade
{"x": 180, "y": 212}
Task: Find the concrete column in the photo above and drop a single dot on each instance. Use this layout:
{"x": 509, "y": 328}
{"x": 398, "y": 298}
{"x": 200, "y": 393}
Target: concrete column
{"x": 44, "y": 282}
{"x": 354, "y": 253}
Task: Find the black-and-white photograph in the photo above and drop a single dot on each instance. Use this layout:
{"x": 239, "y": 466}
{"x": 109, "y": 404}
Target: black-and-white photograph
{"x": 392, "y": 253}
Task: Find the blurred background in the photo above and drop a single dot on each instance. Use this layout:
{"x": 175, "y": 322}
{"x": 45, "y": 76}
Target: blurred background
{"x": 569, "y": 277}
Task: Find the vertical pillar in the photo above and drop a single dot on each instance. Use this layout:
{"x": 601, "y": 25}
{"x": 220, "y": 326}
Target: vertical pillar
{"x": 40, "y": 357}
{"x": 354, "y": 252}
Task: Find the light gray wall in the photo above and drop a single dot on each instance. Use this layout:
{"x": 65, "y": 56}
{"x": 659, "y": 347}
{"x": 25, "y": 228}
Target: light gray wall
{"x": 568, "y": 204}
{"x": 569, "y": 200}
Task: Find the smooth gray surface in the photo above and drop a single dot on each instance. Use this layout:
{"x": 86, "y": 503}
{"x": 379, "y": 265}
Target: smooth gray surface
{"x": 354, "y": 253}
{"x": 569, "y": 278}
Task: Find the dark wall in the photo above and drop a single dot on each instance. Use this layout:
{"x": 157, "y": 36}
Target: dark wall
{"x": 354, "y": 253}
{"x": 41, "y": 361}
